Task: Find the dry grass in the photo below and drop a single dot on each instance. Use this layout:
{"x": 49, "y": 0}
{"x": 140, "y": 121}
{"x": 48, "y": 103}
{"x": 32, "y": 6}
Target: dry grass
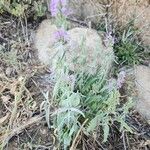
{"x": 20, "y": 97}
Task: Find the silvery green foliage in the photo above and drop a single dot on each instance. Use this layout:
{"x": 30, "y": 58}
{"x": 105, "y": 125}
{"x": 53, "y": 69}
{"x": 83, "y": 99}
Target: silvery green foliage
{"x": 81, "y": 96}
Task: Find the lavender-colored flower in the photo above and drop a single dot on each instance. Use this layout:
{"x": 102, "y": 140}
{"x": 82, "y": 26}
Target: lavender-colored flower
{"x": 65, "y": 10}
{"x": 54, "y": 7}
{"x": 121, "y": 79}
{"x": 57, "y": 6}
{"x": 61, "y": 34}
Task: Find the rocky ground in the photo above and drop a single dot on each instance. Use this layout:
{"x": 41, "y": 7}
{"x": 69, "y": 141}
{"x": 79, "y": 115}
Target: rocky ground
{"x": 23, "y": 78}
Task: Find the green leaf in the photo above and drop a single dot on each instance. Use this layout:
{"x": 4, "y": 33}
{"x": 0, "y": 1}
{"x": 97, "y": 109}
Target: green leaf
{"x": 124, "y": 125}
{"x": 75, "y": 99}
{"x": 93, "y": 123}
{"x": 67, "y": 140}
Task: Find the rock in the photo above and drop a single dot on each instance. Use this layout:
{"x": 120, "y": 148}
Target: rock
{"x": 87, "y": 45}
{"x": 142, "y": 81}
{"x": 89, "y": 10}
{"x": 44, "y": 40}
{"x": 83, "y": 44}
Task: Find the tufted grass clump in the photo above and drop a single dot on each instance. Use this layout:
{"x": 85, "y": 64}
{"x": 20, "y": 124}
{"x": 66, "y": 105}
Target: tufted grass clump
{"x": 128, "y": 49}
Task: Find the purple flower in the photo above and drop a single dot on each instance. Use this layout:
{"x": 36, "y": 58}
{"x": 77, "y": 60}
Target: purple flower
{"x": 121, "y": 79}
{"x": 57, "y": 6}
{"x": 54, "y": 7}
{"x": 61, "y": 34}
{"x": 65, "y": 10}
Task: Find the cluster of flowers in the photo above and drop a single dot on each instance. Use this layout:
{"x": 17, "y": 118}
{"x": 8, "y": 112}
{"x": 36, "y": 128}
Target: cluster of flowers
{"x": 61, "y": 35}
{"x": 59, "y": 6}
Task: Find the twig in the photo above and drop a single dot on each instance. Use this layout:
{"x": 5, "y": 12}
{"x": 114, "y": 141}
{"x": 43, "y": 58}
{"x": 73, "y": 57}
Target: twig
{"x": 78, "y": 21}
{"x": 128, "y": 141}
{"x": 77, "y": 135}
{"x": 124, "y": 142}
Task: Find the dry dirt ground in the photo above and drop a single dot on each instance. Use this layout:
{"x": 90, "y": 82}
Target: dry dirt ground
{"x": 22, "y": 125}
